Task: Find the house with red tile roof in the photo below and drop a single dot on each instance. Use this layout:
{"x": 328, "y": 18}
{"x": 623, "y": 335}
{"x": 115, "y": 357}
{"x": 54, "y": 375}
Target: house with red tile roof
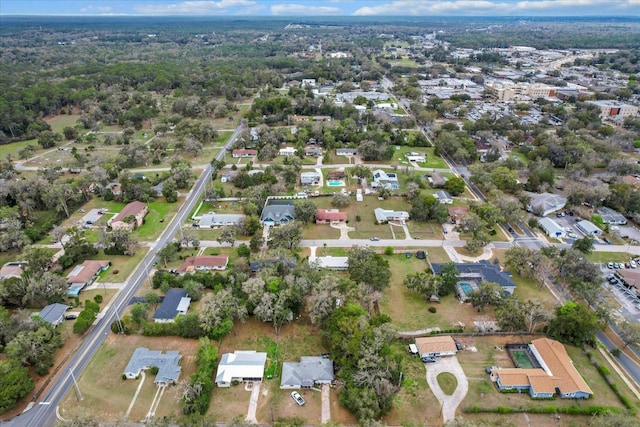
{"x": 327, "y": 216}
{"x": 204, "y": 263}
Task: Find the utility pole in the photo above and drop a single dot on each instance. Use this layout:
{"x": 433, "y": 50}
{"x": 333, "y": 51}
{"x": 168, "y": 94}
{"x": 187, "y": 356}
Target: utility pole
{"x": 75, "y": 383}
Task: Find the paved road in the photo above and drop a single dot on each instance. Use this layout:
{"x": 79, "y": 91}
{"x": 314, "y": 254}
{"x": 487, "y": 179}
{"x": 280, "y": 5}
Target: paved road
{"x": 43, "y": 413}
{"x": 629, "y": 365}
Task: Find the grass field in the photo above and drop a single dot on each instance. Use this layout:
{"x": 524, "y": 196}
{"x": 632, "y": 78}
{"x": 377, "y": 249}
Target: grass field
{"x": 159, "y": 212}
{"x": 447, "y": 382}
{"x": 108, "y": 396}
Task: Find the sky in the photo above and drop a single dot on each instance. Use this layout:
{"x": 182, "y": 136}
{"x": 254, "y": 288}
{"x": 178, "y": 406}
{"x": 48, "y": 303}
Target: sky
{"x": 323, "y": 7}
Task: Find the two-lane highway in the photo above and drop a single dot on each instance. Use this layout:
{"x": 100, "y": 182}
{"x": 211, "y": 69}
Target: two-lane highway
{"x": 43, "y": 413}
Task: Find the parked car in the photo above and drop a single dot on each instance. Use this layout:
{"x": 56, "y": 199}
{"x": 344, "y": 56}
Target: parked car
{"x": 607, "y": 241}
{"x": 633, "y": 264}
{"x": 421, "y": 255}
{"x": 374, "y": 239}
{"x": 609, "y": 265}
{"x": 408, "y": 254}
{"x": 298, "y": 399}
{"x": 511, "y": 230}
{"x": 488, "y": 369}
{"x": 616, "y": 265}
{"x": 428, "y": 359}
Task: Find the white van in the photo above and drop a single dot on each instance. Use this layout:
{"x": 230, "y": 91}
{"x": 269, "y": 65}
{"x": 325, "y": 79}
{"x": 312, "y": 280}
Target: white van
{"x": 413, "y": 349}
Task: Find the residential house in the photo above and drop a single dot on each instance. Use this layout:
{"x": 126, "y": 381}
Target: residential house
{"x": 415, "y": 156}
{"x": 313, "y": 151}
{"x": 337, "y": 263}
{"x": 436, "y": 180}
{"x": 336, "y": 175}
{"x": 346, "y": 151}
{"x": 204, "y": 263}
{"x": 456, "y": 213}
{"x": 544, "y": 204}
{"x": 244, "y": 153}
{"x": 609, "y": 216}
{"x": 53, "y": 313}
{"x": 551, "y": 228}
{"x": 310, "y": 178}
{"x": 556, "y": 376}
{"x": 382, "y": 179}
{"x": 276, "y": 212}
{"x": 84, "y": 274}
{"x": 212, "y": 219}
{"x": 328, "y": 216}
{"x": 176, "y": 302}
{"x": 444, "y": 197}
{"x": 310, "y": 371}
{"x": 473, "y": 274}
{"x": 11, "y": 269}
{"x": 436, "y": 346}
{"x": 588, "y": 228}
{"x": 130, "y": 217}
{"x": 287, "y": 151}
{"x": 386, "y": 215}
{"x": 240, "y": 366}
{"x": 167, "y": 364}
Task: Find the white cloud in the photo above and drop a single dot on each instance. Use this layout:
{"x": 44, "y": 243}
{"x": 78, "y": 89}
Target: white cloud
{"x": 494, "y": 7}
{"x": 195, "y": 7}
{"x": 306, "y": 10}
{"x": 96, "y": 9}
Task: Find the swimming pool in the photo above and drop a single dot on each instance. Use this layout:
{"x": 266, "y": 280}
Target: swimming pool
{"x": 332, "y": 183}
{"x": 466, "y": 288}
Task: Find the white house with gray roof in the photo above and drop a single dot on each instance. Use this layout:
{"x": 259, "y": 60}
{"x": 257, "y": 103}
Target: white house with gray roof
{"x": 311, "y": 370}
{"x": 212, "y": 219}
{"x": 386, "y": 215}
{"x": 240, "y": 366}
{"x": 551, "y": 228}
{"x": 53, "y": 313}
{"x": 588, "y": 228}
{"x": 167, "y": 364}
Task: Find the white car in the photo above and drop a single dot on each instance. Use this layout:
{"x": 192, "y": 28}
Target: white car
{"x": 298, "y": 399}
{"x": 633, "y": 264}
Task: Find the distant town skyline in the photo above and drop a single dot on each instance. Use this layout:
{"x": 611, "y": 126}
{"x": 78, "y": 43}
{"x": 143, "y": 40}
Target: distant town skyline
{"x": 629, "y": 8}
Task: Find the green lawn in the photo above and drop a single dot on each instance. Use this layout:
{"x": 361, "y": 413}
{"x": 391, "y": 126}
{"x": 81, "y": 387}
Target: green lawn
{"x": 159, "y": 213}
{"x": 604, "y": 257}
{"x": 14, "y": 148}
{"x": 58, "y": 123}
{"x": 447, "y": 382}
{"x": 121, "y": 265}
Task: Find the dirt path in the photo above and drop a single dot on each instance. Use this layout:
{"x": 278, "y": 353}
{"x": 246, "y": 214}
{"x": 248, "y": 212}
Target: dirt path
{"x": 449, "y": 404}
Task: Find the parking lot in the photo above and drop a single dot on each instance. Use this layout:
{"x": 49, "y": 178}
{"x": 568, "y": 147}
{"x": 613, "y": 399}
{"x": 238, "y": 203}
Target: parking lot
{"x": 627, "y": 298}
{"x": 568, "y": 224}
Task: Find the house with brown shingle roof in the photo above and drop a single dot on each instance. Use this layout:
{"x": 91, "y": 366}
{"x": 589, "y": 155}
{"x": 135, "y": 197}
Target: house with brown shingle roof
{"x": 436, "y": 346}
{"x": 204, "y": 263}
{"x": 84, "y": 274}
{"x": 130, "y": 217}
{"x": 337, "y": 174}
{"x": 327, "y": 216}
{"x": 556, "y": 375}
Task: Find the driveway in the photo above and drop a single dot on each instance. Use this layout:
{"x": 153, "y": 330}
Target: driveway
{"x": 326, "y": 404}
{"x": 449, "y": 404}
{"x": 253, "y": 402}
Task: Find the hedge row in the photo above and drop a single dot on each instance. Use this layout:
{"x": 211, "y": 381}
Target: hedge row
{"x": 571, "y": 410}
{"x": 606, "y": 374}
{"x": 202, "y": 380}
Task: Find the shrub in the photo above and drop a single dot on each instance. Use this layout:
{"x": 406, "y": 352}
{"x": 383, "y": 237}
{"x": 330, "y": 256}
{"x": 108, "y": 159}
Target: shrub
{"x": 154, "y": 370}
{"x": 432, "y": 309}
{"x": 616, "y": 352}
{"x": 115, "y": 271}
{"x": 124, "y": 377}
{"x": 358, "y": 218}
{"x": 98, "y": 298}
{"x": 388, "y": 250}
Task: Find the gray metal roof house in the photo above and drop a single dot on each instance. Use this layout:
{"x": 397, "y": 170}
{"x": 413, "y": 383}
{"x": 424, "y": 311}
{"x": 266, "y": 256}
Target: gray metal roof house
{"x": 174, "y": 303}
{"x": 309, "y": 371}
{"x": 167, "y": 364}
{"x": 213, "y": 219}
{"x": 240, "y": 366}
{"x": 53, "y": 313}
{"x": 588, "y": 228}
{"x": 609, "y": 216}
